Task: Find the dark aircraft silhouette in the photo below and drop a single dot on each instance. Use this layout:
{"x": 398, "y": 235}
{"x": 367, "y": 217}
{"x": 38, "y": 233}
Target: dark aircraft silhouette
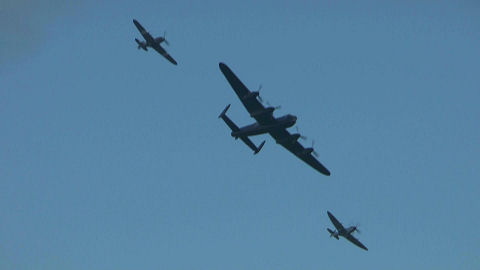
{"x": 345, "y": 232}
{"x": 152, "y": 42}
{"x": 266, "y": 123}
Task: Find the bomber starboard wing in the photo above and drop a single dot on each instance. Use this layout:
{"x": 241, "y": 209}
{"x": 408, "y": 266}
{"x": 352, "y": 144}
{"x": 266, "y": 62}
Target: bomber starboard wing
{"x": 289, "y": 142}
{"x": 251, "y": 103}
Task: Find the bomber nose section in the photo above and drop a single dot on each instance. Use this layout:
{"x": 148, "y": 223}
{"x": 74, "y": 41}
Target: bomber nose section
{"x": 292, "y": 119}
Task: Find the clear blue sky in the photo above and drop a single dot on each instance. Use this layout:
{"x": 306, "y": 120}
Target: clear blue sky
{"x": 112, "y": 158}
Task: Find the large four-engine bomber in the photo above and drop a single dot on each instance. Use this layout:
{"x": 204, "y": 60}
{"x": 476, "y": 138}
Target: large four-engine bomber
{"x": 266, "y": 123}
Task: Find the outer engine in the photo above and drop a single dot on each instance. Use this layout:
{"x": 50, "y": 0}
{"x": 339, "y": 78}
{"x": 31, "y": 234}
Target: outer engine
{"x": 250, "y": 95}
{"x": 307, "y": 151}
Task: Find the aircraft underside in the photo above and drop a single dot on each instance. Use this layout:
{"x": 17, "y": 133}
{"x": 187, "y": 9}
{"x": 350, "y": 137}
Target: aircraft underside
{"x": 256, "y": 129}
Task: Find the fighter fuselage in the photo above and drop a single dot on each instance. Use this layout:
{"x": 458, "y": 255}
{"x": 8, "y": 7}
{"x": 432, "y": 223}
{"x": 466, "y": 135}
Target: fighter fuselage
{"x": 145, "y": 44}
{"x": 345, "y": 232}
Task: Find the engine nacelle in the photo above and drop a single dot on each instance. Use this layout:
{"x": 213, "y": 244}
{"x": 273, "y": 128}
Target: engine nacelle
{"x": 250, "y": 95}
{"x": 307, "y": 151}
{"x": 295, "y": 137}
{"x": 291, "y": 139}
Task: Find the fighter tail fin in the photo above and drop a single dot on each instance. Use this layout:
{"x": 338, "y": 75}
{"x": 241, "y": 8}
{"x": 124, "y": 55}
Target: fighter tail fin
{"x": 141, "y": 45}
{"x": 332, "y": 233}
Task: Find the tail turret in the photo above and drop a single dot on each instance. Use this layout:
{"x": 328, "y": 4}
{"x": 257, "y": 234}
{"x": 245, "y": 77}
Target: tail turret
{"x": 235, "y": 128}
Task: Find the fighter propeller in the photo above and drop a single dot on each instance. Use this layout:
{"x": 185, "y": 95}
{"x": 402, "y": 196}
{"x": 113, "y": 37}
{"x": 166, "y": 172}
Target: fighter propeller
{"x": 165, "y": 38}
{"x": 314, "y": 152}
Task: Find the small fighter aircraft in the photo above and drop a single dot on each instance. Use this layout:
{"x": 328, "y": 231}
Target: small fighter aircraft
{"x": 266, "y": 123}
{"x": 152, "y": 42}
{"x": 345, "y": 232}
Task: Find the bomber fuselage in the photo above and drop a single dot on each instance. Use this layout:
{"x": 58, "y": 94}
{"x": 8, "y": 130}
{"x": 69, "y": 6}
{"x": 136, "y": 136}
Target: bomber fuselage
{"x": 285, "y": 121}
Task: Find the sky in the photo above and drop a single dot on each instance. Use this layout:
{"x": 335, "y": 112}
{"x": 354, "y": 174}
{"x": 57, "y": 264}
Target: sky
{"x": 113, "y": 158}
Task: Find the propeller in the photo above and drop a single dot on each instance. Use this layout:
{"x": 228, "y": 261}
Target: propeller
{"x": 259, "y": 97}
{"x": 165, "y": 38}
{"x": 266, "y": 102}
{"x": 301, "y": 136}
{"x": 276, "y": 107}
{"x": 305, "y": 138}
{"x": 356, "y": 228}
{"x": 314, "y": 152}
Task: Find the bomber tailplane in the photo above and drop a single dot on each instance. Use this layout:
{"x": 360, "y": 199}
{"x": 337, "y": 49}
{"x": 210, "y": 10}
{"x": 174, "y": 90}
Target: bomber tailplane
{"x": 235, "y": 128}
{"x": 227, "y": 120}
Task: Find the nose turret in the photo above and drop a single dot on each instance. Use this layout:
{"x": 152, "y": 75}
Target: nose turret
{"x": 287, "y": 120}
{"x": 293, "y": 119}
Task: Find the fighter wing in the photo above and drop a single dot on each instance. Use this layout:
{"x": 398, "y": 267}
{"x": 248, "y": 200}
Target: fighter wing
{"x": 335, "y": 222}
{"x": 289, "y": 141}
{"x": 253, "y": 106}
{"x": 144, "y": 32}
{"x": 162, "y": 51}
{"x": 354, "y": 240}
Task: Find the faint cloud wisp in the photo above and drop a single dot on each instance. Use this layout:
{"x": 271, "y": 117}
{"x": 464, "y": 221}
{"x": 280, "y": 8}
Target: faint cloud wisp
{"x": 24, "y": 26}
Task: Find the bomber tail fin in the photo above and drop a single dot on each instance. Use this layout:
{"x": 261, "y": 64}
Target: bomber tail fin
{"x": 259, "y": 148}
{"x": 224, "y": 111}
{"x": 227, "y": 120}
